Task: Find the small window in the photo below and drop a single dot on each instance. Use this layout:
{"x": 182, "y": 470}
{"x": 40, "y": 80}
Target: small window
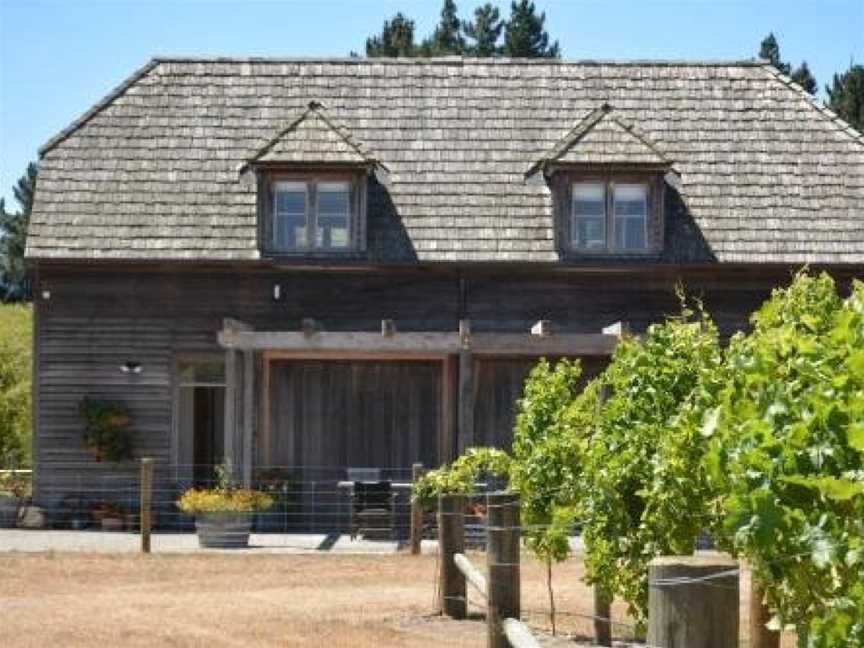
{"x": 631, "y": 215}
{"x": 607, "y": 216}
{"x": 311, "y": 215}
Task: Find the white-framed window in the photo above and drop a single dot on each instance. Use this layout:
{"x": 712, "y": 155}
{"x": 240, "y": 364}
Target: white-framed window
{"x": 609, "y": 216}
{"x": 311, "y": 215}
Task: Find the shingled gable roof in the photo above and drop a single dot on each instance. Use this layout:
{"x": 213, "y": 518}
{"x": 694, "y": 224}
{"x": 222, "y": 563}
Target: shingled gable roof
{"x": 766, "y": 173}
{"x": 313, "y": 138}
{"x": 601, "y": 138}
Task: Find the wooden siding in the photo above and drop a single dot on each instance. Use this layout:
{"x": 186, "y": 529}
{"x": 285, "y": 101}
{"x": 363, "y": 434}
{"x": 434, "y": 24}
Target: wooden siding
{"x": 96, "y": 320}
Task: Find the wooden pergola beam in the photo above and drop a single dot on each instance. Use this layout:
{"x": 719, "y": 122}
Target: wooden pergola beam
{"x": 510, "y": 344}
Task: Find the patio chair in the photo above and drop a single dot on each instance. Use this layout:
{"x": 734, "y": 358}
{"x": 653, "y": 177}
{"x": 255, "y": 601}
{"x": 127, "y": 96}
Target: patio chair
{"x": 372, "y": 510}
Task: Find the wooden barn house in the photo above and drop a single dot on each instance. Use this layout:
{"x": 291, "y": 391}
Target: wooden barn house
{"x": 325, "y": 264}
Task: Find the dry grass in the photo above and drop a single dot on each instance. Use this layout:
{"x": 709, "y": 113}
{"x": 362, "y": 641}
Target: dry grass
{"x": 217, "y": 600}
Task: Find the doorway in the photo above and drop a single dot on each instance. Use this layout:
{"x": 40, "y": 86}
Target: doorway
{"x": 200, "y": 408}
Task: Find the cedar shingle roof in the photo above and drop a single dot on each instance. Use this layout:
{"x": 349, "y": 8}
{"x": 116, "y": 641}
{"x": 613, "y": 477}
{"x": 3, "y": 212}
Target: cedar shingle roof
{"x": 152, "y": 171}
{"x": 603, "y": 139}
{"x": 312, "y": 138}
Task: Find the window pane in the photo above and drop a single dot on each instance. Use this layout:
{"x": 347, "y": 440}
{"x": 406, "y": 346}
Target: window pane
{"x": 631, "y": 212}
{"x": 589, "y": 199}
{"x": 334, "y": 214}
{"x": 203, "y": 371}
{"x": 589, "y": 215}
{"x": 290, "y": 218}
{"x": 590, "y": 232}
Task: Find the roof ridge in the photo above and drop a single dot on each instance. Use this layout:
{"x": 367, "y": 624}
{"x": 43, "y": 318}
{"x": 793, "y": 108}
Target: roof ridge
{"x": 115, "y": 93}
{"x": 488, "y": 60}
{"x": 841, "y": 124}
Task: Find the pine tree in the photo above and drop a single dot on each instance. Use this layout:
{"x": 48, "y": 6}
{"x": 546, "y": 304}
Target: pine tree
{"x": 13, "y": 238}
{"x": 447, "y": 37}
{"x": 485, "y": 31}
{"x": 525, "y": 36}
{"x": 396, "y": 39}
{"x": 769, "y": 50}
{"x": 846, "y": 96}
{"x": 803, "y": 77}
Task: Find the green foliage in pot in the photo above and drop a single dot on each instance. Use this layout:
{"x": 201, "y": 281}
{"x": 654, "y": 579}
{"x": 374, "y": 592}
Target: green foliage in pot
{"x": 14, "y": 484}
{"x": 106, "y": 432}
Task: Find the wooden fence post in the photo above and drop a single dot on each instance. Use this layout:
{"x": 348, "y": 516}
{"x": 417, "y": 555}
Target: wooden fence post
{"x": 146, "y": 503}
{"x": 760, "y": 636}
{"x": 502, "y": 556}
{"x": 451, "y": 540}
{"x": 417, "y": 471}
{"x": 602, "y": 617}
{"x": 693, "y": 602}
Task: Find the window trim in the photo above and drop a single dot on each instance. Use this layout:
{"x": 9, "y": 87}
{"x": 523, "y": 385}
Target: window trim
{"x": 267, "y": 179}
{"x": 562, "y": 185}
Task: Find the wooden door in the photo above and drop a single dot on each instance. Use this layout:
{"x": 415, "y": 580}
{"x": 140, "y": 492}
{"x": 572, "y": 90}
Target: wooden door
{"x": 335, "y": 414}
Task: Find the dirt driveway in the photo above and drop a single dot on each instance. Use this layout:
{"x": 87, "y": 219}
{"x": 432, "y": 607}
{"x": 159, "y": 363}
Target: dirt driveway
{"x": 216, "y": 600}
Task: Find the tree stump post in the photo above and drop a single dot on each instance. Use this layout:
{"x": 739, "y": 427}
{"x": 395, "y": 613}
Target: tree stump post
{"x": 417, "y": 471}
{"x": 693, "y": 602}
{"x": 452, "y": 600}
{"x": 502, "y": 555}
{"x": 760, "y": 635}
{"x": 146, "y": 503}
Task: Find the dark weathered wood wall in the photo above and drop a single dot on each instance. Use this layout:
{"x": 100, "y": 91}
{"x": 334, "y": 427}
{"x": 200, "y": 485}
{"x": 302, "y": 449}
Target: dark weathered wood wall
{"x": 98, "y": 318}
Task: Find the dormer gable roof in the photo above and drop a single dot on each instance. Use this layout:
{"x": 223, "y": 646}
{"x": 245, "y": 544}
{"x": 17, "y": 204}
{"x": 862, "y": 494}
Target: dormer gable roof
{"x": 313, "y": 138}
{"x": 603, "y": 139}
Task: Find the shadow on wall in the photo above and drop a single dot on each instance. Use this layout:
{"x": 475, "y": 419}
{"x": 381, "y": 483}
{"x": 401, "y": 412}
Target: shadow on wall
{"x": 685, "y": 242}
{"x": 387, "y": 236}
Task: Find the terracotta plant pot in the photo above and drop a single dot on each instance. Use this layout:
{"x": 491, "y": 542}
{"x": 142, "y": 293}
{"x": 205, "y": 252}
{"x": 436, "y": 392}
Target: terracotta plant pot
{"x": 223, "y": 530}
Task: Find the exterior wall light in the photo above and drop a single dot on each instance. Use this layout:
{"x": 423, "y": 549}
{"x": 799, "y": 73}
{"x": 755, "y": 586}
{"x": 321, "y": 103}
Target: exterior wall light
{"x": 277, "y": 292}
{"x": 131, "y": 367}
{"x": 46, "y": 294}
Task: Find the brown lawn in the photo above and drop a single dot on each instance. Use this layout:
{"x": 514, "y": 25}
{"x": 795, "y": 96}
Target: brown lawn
{"x": 219, "y": 600}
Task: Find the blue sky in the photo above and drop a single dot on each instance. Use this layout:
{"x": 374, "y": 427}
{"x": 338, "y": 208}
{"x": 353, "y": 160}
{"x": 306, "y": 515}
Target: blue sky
{"x": 58, "y": 57}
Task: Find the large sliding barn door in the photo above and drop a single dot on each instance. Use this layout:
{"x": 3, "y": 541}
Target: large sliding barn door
{"x": 355, "y": 413}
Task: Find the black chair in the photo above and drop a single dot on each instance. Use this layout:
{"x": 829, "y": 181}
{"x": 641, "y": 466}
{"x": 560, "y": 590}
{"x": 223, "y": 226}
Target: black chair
{"x": 372, "y": 510}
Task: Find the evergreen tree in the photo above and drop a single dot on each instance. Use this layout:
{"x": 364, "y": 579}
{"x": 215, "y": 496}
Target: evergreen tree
{"x": 447, "y": 37}
{"x": 846, "y": 96}
{"x": 525, "y": 36}
{"x": 13, "y": 238}
{"x": 396, "y": 39}
{"x": 769, "y": 50}
{"x": 803, "y": 77}
{"x": 485, "y": 31}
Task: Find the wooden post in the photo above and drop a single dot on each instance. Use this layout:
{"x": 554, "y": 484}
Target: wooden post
{"x": 503, "y": 581}
{"x": 693, "y": 602}
{"x": 451, "y": 540}
{"x": 760, "y": 636}
{"x": 146, "y": 503}
{"x": 466, "y": 401}
{"x": 417, "y": 471}
{"x": 602, "y": 617}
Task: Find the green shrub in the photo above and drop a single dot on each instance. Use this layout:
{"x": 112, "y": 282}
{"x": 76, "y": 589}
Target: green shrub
{"x": 16, "y": 330}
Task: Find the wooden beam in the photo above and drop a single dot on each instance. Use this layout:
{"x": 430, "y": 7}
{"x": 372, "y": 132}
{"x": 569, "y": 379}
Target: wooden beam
{"x": 563, "y": 344}
{"x": 465, "y": 425}
{"x": 518, "y": 634}
{"x": 506, "y": 344}
{"x": 231, "y": 413}
{"x": 388, "y": 327}
{"x": 471, "y": 573}
{"x": 248, "y": 414}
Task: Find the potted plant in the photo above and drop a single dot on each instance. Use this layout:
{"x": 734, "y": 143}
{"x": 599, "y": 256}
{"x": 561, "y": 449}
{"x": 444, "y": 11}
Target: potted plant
{"x": 223, "y": 514}
{"x": 14, "y": 489}
{"x": 108, "y": 515}
{"x": 106, "y": 433}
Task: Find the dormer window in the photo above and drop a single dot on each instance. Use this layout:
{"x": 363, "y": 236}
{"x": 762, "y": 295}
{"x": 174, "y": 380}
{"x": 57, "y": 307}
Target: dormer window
{"x": 312, "y": 180}
{"x": 312, "y": 214}
{"x": 606, "y": 215}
